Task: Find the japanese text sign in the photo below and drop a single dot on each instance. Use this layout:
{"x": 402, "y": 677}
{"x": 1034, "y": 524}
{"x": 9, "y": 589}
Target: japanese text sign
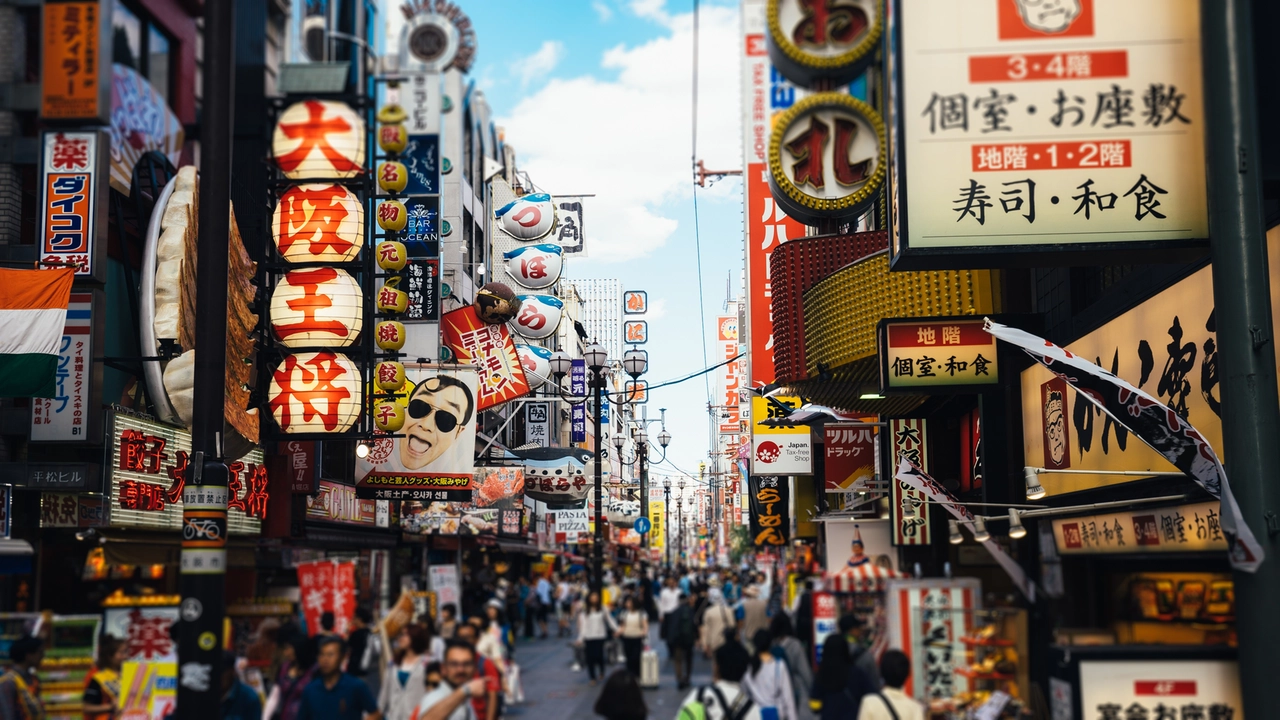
{"x": 72, "y": 413}
{"x": 423, "y": 276}
{"x": 850, "y": 453}
{"x": 72, "y": 190}
{"x": 491, "y": 350}
{"x": 1155, "y": 689}
{"x": 337, "y": 503}
{"x": 578, "y": 388}
{"x": 784, "y": 449}
{"x": 75, "y": 86}
{"x": 770, "y": 498}
{"x": 327, "y": 586}
{"x": 58, "y": 509}
{"x": 148, "y": 469}
{"x": 635, "y": 332}
{"x": 1024, "y": 127}
{"x": 728, "y": 376}
{"x": 936, "y": 354}
{"x": 1185, "y": 528}
{"x": 302, "y": 465}
{"x": 908, "y": 438}
{"x": 635, "y": 302}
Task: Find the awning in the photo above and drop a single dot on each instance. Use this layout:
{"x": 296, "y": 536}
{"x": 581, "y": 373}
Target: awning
{"x": 516, "y": 546}
{"x": 863, "y": 578}
{"x": 120, "y": 548}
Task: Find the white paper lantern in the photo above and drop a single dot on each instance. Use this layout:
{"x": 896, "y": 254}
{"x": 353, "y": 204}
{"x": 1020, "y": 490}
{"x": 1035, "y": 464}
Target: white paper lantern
{"x": 536, "y": 362}
{"x": 528, "y": 218}
{"x": 319, "y": 139}
{"x": 535, "y": 266}
{"x": 316, "y": 392}
{"x": 539, "y": 316}
{"x": 317, "y": 307}
{"x": 318, "y": 222}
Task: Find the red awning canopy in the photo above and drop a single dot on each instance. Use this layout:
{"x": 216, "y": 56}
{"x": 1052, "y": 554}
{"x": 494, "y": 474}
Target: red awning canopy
{"x": 863, "y": 578}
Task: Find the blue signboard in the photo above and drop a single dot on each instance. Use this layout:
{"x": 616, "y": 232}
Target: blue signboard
{"x": 421, "y": 234}
{"x": 643, "y": 525}
{"x": 422, "y": 158}
{"x": 578, "y": 388}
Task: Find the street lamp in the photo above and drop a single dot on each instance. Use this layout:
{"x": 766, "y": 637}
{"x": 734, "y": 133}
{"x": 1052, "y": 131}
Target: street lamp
{"x": 666, "y": 518}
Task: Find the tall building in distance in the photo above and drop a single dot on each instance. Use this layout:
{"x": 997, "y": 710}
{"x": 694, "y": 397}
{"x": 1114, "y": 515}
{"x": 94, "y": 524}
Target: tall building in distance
{"x": 602, "y": 312}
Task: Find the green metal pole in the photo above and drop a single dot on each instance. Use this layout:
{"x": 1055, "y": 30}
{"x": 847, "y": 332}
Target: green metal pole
{"x": 1246, "y": 345}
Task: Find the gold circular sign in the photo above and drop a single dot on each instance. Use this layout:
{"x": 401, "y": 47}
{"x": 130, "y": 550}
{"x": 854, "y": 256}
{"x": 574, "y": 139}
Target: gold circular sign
{"x": 207, "y": 640}
{"x": 829, "y": 40}
{"x": 827, "y": 158}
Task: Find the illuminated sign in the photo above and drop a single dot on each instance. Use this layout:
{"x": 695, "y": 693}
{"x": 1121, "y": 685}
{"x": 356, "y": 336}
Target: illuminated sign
{"x": 933, "y": 354}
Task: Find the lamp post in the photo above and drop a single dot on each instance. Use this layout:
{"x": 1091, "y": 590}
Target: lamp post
{"x": 635, "y": 362}
{"x": 666, "y": 518}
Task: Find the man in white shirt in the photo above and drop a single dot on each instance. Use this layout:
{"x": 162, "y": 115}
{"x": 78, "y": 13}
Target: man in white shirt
{"x": 452, "y": 700}
{"x": 543, "y": 591}
{"x": 668, "y": 601}
{"x": 725, "y": 697}
{"x": 891, "y": 703}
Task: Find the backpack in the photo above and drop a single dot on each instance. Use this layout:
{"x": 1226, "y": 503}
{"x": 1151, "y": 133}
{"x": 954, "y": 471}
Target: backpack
{"x": 697, "y": 710}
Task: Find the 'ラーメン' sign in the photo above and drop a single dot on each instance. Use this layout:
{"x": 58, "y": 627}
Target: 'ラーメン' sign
{"x": 1025, "y": 126}
{"x": 147, "y": 472}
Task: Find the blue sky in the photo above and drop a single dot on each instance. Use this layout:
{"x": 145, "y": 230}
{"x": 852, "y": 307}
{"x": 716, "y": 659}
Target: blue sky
{"x": 595, "y": 97}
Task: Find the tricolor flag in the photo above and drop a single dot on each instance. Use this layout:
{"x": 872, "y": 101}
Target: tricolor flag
{"x": 33, "y": 311}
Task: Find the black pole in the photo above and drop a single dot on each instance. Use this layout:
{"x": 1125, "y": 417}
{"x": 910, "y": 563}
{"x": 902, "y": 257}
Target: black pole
{"x": 666, "y": 522}
{"x": 643, "y": 450}
{"x": 597, "y": 580}
{"x": 204, "y": 496}
{"x": 1246, "y": 346}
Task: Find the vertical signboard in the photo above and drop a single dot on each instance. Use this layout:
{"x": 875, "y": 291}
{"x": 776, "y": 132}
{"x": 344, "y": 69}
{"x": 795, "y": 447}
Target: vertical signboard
{"x": 568, "y": 232}
{"x": 1029, "y": 127}
{"x": 850, "y": 453}
{"x": 73, "y": 185}
{"x": 765, "y": 93}
{"x": 578, "y": 388}
{"x": 423, "y": 275}
{"x": 657, "y": 518}
{"x": 303, "y": 466}
{"x": 908, "y": 437}
{"x": 770, "y": 518}
{"x": 729, "y": 422}
{"x": 75, "y": 86}
{"x": 537, "y": 424}
{"x": 783, "y": 449}
{"x": 73, "y": 414}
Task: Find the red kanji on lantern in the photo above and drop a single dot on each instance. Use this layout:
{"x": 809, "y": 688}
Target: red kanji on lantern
{"x": 389, "y": 333}
{"x": 386, "y": 413}
{"x": 388, "y": 212}
{"x": 387, "y": 297}
{"x": 390, "y": 173}
{"x": 387, "y": 373}
{"x": 388, "y": 253}
{"x": 319, "y": 229}
{"x": 312, "y": 301}
{"x": 309, "y": 383}
{"x": 69, "y": 154}
{"x": 314, "y": 135}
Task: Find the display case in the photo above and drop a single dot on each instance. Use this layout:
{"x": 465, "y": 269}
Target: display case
{"x": 986, "y": 652}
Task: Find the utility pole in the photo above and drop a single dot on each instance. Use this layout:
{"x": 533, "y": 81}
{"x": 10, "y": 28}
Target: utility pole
{"x": 1246, "y": 346}
{"x": 597, "y": 549}
{"x": 202, "y": 579}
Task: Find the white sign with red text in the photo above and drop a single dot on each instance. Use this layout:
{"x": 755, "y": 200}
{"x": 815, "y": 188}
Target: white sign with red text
{"x": 1159, "y": 688}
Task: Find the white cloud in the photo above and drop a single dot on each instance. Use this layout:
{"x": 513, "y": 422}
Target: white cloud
{"x": 540, "y": 63}
{"x": 603, "y": 11}
{"x": 652, "y": 10}
{"x": 628, "y": 139}
{"x": 657, "y": 309}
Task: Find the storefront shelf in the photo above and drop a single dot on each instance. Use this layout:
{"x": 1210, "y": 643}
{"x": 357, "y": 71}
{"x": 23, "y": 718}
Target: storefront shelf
{"x": 987, "y": 642}
{"x": 978, "y": 675}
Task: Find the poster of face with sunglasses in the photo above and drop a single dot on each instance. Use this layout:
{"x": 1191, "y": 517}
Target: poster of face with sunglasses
{"x": 439, "y": 433}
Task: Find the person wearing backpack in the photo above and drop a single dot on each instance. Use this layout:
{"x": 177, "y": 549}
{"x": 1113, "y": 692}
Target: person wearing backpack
{"x": 769, "y": 681}
{"x": 682, "y": 633}
{"x": 791, "y": 651}
{"x": 725, "y": 698}
{"x": 891, "y": 703}
{"x": 840, "y": 685}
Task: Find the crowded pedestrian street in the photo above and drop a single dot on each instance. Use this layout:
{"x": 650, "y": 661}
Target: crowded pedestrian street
{"x": 639, "y": 359}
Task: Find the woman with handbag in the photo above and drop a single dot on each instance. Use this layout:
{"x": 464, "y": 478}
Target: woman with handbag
{"x": 634, "y": 632}
{"x": 595, "y": 626}
{"x": 769, "y": 681}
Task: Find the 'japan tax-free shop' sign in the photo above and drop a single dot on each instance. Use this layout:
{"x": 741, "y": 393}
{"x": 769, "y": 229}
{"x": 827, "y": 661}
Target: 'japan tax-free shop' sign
{"x": 1027, "y": 126}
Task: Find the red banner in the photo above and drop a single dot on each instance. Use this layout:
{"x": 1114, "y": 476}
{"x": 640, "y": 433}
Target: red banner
{"x": 328, "y": 586}
{"x": 493, "y": 352}
{"x": 767, "y": 227}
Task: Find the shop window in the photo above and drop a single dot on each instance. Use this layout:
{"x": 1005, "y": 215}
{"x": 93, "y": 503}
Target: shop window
{"x": 138, "y": 43}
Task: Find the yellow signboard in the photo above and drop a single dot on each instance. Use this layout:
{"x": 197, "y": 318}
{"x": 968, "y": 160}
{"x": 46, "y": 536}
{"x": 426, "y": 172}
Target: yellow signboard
{"x": 1166, "y": 346}
{"x": 778, "y": 449}
{"x": 657, "y": 520}
{"x": 1185, "y": 528}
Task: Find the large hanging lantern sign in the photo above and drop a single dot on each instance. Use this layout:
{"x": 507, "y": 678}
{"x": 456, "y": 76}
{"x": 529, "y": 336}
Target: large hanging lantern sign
{"x": 827, "y": 158}
{"x": 319, "y": 307}
{"x": 319, "y": 222}
{"x": 389, "y": 416}
{"x": 391, "y": 298}
{"x": 535, "y": 266}
{"x": 319, "y": 139}
{"x": 389, "y": 375}
{"x": 315, "y": 393}
{"x": 539, "y": 316}
{"x": 392, "y": 255}
{"x": 393, "y": 176}
{"x": 812, "y": 42}
{"x": 536, "y": 362}
{"x": 389, "y": 335}
{"x": 528, "y": 218}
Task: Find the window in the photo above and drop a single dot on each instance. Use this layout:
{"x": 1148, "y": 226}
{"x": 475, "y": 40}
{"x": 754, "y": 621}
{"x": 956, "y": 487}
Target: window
{"x": 140, "y": 44}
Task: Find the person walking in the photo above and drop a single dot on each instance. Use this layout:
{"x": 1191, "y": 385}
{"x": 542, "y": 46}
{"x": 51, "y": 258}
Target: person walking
{"x": 239, "y": 701}
{"x": 452, "y": 699}
{"x": 682, "y": 635}
{"x": 668, "y": 601}
{"x": 803, "y": 613}
{"x": 20, "y": 686}
{"x": 718, "y": 623}
{"x": 621, "y": 698}
{"x": 595, "y": 626}
{"x": 102, "y": 691}
{"x": 725, "y": 698}
{"x": 448, "y": 620}
{"x": 891, "y": 703}
{"x": 853, "y": 629}
{"x": 634, "y": 629}
{"x": 755, "y": 615}
{"x": 787, "y": 647}
{"x": 488, "y": 704}
{"x": 297, "y": 670}
{"x": 840, "y": 685}
{"x": 769, "y": 681}
{"x": 405, "y": 681}
{"x": 545, "y": 603}
{"x": 334, "y": 694}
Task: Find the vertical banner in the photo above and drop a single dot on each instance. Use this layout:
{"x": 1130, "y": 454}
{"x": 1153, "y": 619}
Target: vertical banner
{"x": 76, "y": 86}
{"x": 73, "y": 186}
{"x": 825, "y": 614}
{"x": 315, "y": 584}
{"x": 657, "y": 518}
{"x": 850, "y": 451}
{"x": 344, "y": 596}
{"x": 537, "y": 424}
{"x": 908, "y": 437}
{"x": 303, "y": 460}
{"x": 765, "y": 93}
{"x": 578, "y": 388}
{"x": 71, "y": 414}
{"x": 770, "y": 518}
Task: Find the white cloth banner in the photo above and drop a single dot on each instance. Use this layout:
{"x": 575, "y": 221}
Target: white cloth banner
{"x": 1152, "y": 422}
{"x": 919, "y": 480}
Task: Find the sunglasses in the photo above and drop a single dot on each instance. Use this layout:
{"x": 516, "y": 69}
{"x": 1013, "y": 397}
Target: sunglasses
{"x": 445, "y": 420}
